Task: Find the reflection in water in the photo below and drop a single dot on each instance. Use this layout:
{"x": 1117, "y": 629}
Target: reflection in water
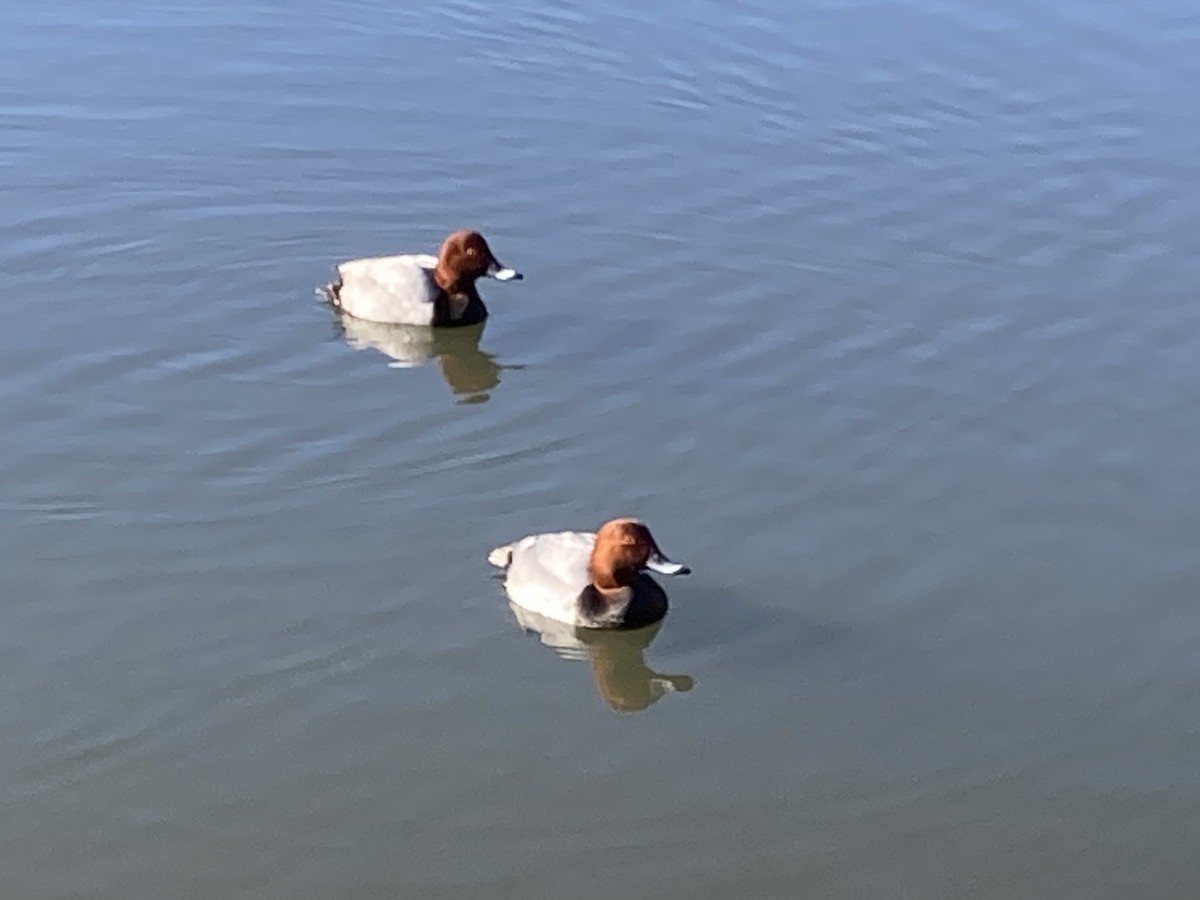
{"x": 469, "y": 372}
{"x": 623, "y": 679}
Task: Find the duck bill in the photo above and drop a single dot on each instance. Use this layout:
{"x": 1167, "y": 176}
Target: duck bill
{"x": 663, "y": 566}
{"x": 503, "y": 273}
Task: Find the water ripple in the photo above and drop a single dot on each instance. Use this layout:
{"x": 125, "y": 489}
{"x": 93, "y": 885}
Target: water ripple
{"x": 882, "y": 314}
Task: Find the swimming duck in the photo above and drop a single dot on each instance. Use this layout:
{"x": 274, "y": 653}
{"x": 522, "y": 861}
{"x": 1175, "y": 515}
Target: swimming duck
{"x": 419, "y": 289}
{"x": 590, "y": 580}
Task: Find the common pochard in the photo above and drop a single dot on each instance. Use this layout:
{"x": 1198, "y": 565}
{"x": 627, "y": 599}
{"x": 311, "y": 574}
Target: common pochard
{"x": 590, "y": 580}
{"x": 419, "y": 289}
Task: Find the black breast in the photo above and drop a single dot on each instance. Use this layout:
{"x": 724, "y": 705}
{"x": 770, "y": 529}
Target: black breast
{"x": 474, "y": 313}
{"x": 649, "y": 605}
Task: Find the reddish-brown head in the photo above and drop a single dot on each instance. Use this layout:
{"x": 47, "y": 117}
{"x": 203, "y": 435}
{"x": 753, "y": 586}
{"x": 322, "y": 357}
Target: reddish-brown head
{"x": 464, "y": 257}
{"x": 623, "y": 548}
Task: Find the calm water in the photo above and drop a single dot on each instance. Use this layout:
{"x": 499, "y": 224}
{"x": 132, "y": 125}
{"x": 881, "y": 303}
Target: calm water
{"x": 885, "y": 316}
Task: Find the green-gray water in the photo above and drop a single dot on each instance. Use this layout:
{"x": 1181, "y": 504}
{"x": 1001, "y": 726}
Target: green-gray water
{"x": 884, "y": 316}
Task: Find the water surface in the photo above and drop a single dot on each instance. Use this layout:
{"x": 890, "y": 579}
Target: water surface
{"x": 883, "y": 315}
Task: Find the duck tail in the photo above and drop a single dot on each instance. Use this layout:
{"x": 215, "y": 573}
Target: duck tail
{"x": 501, "y": 557}
{"x": 331, "y": 293}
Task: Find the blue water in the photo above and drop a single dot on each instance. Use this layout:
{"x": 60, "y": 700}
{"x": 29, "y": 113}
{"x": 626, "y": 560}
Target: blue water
{"x": 882, "y": 315}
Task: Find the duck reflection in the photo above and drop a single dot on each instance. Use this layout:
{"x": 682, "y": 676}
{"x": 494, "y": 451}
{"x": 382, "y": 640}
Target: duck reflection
{"x": 619, "y": 670}
{"x": 470, "y": 373}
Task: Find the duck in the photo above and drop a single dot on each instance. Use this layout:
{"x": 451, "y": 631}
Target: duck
{"x": 589, "y": 579}
{"x": 417, "y": 288}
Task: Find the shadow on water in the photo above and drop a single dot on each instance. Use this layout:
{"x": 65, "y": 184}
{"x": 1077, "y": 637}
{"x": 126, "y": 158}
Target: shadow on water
{"x": 617, "y": 659}
{"x": 470, "y": 373}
